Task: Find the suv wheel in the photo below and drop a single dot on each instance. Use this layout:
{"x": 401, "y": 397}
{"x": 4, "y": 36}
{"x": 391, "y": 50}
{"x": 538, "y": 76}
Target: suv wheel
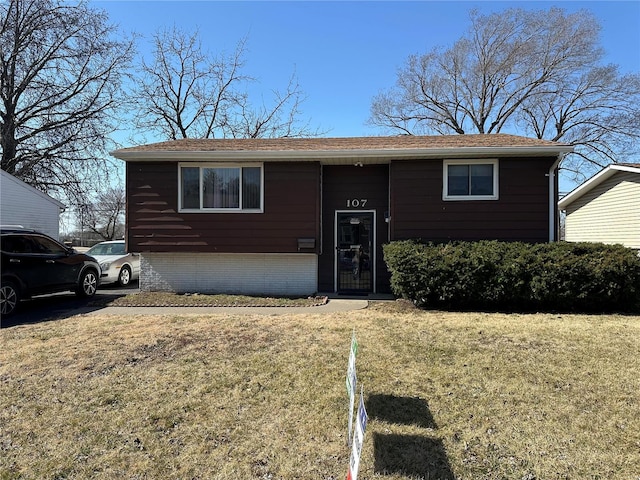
{"x": 88, "y": 284}
{"x": 9, "y": 298}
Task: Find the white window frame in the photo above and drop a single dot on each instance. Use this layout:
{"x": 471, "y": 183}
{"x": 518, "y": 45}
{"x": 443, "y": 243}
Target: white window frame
{"x": 445, "y": 179}
{"x": 202, "y": 166}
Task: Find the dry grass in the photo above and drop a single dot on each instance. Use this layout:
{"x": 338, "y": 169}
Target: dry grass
{"x": 465, "y": 396}
{"x": 167, "y": 299}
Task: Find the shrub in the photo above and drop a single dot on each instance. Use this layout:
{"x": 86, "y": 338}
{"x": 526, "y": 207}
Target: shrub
{"x": 516, "y": 276}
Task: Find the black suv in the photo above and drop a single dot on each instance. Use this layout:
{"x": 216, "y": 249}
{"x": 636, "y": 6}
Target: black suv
{"x": 35, "y": 264}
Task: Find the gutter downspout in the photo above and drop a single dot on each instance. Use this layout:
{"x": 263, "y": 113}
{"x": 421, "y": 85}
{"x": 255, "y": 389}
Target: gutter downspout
{"x": 553, "y": 198}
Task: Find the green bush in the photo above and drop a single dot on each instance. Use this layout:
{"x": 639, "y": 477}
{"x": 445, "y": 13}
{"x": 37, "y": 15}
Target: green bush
{"x": 517, "y": 276}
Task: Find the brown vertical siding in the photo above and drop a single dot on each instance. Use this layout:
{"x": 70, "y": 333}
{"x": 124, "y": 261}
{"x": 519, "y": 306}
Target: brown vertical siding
{"x": 291, "y": 211}
{"x": 521, "y": 212}
{"x": 342, "y": 183}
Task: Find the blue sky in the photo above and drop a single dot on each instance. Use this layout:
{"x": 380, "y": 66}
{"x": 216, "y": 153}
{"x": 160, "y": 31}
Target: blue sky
{"x": 344, "y": 53}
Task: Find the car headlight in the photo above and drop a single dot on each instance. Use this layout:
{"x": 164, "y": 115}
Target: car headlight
{"x": 104, "y": 266}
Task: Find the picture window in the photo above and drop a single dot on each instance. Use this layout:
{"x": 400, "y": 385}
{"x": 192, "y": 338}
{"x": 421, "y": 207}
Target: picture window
{"x": 224, "y": 188}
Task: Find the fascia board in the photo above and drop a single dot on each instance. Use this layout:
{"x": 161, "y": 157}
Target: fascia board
{"x": 626, "y": 168}
{"x": 593, "y": 182}
{"x": 361, "y": 154}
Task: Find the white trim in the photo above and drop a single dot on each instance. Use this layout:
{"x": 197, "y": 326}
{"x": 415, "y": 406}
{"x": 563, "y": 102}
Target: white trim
{"x": 593, "y": 182}
{"x": 552, "y": 198}
{"x": 201, "y": 166}
{"x": 327, "y": 156}
{"x": 372, "y": 255}
{"x": 465, "y": 198}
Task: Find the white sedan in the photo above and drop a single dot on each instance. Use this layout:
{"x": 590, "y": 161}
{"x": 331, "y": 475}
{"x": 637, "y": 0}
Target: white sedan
{"x": 116, "y": 264}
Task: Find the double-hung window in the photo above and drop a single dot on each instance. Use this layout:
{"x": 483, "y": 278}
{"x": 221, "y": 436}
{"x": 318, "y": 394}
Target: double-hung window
{"x": 221, "y": 188}
{"x": 470, "y": 180}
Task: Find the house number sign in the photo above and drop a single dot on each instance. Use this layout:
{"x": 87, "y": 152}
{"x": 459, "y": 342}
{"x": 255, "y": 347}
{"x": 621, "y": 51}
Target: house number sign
{"x": 356, "y": 202}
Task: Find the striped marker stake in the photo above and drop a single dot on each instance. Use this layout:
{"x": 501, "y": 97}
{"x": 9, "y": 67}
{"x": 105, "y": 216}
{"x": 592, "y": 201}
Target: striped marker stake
{"x": 358, "y": 439}
{"x": 352, "y": 381}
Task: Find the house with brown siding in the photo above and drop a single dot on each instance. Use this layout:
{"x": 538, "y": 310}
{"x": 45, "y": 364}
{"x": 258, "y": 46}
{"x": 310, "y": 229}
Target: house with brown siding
{"x": 296, "y": 216}
{"x": 606, "y": 208}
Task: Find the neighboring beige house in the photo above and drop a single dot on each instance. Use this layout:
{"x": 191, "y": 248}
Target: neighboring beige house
{"x": 606, "y": 208}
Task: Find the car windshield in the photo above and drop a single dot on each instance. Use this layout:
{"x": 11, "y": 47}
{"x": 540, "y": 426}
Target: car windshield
{"x": 107, "y": 249}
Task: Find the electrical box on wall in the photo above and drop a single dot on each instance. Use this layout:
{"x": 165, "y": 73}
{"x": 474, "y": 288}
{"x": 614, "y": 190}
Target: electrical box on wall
{"x": 306, "y": 243}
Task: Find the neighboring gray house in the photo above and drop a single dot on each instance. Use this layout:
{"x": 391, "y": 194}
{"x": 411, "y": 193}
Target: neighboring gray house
{"x": 606, "y": 208}
{"x": 21, "y": 204}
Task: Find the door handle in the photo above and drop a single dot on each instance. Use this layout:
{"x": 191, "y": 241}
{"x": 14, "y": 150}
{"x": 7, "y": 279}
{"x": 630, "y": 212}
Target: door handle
{"x": 50, "y": 261}
{"x": 14, "y": 260}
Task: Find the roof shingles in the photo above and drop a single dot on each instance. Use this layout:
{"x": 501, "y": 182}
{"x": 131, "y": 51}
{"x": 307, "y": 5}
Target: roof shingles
{"x": 399, "y": 142}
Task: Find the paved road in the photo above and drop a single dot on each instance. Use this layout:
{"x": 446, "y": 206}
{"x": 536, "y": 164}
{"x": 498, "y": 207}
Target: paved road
{"x": 51, "y": 307}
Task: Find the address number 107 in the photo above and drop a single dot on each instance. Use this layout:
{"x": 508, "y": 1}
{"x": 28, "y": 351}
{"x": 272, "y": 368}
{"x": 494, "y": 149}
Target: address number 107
{"x": 356, "y": 202}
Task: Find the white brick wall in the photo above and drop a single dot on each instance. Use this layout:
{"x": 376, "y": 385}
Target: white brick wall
{"x": 250, "y": 274}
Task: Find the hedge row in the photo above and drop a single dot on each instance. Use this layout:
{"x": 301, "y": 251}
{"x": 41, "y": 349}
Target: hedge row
{"x": 516, "y": 276}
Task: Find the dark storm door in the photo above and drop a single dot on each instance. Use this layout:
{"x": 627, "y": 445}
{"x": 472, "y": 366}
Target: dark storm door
{"x": 355, "y": 245}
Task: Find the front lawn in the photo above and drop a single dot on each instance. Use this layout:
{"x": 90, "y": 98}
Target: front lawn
{"x": 449, "y": 395}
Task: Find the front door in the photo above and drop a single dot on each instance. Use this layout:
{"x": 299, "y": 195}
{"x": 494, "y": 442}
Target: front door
{"x": 355, "y": 252}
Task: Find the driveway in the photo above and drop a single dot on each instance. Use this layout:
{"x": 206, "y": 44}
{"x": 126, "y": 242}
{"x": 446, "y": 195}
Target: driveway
{"x": 63, "y": 305}
{"x": 59, "y": 306}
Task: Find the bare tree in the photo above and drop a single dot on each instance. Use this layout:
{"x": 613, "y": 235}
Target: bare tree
{"x": 597, "y": 111}
{"x": 105, "y": 217}
{"x": 60, "y": 74}
{"x": 187, "y": 93}
{"x": 530, "y": 72}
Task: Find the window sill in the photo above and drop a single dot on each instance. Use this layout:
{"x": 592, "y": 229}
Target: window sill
{"x": 469, "y": 198}
{"x": 220, "y": 210}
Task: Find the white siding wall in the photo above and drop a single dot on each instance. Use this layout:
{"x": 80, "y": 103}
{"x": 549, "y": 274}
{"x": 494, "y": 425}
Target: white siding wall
{"x": 609, "y": 213}
{"x": 21, "y": 204}
{"x": 250, "y": 274}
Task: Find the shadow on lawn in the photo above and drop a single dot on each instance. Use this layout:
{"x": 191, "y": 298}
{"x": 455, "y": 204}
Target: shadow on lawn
{"x": 403, "y": 410}
{"x": 412, "y": 455}
{"x": 419, "y": 456}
